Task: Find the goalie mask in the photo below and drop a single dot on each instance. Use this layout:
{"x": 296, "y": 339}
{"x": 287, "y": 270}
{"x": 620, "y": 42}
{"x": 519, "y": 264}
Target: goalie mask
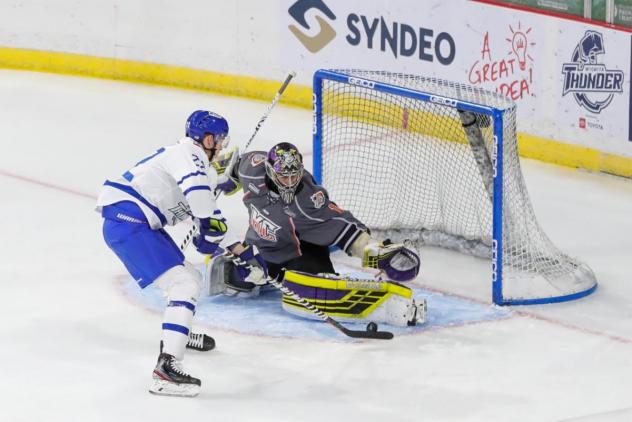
{"x": 284, "y": 167}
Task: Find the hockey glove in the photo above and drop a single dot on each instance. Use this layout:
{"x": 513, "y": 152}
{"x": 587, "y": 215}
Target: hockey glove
{"x": 226, "y": 166}
{"x": 227, "y": 185}
{"x": 250, "y": 266}
{"x": 212, "y": 231}
{"x": 399, "y": 261}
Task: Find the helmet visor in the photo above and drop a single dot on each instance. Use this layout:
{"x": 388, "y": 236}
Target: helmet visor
{"x": 221, "y": 140}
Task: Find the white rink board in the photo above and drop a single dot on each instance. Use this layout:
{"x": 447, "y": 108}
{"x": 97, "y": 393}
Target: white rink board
{"x": 516, "y": 53}
{"x": 253, "y": 38}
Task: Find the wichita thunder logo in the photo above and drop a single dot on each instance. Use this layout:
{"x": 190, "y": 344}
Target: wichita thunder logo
{"x": 587, "y": 79}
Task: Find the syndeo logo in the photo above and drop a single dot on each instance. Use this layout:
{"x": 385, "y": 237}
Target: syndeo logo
{"x": 327, "y": 33}
{"x": 592, "y": 85}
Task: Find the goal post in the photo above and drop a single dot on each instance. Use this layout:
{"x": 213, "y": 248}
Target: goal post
{"x": 437, "y": 162}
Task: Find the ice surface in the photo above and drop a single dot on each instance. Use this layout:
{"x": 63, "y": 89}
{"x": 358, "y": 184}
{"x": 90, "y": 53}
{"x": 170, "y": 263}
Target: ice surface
{"x": 78, "y": 344}
{"x": 264, "y": 316}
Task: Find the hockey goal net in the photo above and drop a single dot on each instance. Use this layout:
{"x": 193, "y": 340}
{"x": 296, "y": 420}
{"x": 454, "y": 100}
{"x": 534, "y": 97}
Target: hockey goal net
{"x": 437, "y": 162}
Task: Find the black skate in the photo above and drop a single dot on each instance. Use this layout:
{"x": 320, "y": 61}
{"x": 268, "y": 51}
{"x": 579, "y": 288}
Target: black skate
{"x": 200, "y": 342}
{"x": 171, "y": 380}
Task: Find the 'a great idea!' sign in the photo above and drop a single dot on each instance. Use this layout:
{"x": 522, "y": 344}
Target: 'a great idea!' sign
{"x": 571, "y": 82}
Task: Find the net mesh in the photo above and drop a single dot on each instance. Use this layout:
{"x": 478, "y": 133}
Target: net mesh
{"x": 408, "y": 169}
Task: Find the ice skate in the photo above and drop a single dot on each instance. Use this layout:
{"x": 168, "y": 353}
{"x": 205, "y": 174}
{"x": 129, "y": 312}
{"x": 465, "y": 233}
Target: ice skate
{"x": 200, "y": 342}
{"x": 171, "y": 380}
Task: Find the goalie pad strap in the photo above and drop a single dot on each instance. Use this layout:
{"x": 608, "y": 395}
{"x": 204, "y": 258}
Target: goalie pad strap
{"x": 334, "y": 282}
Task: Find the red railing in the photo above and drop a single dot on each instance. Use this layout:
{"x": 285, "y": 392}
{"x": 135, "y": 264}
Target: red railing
{"x": 555, "y": 14}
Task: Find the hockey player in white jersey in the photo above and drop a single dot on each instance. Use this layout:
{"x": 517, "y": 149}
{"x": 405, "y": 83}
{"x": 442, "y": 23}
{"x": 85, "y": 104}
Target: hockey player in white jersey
{"x": 171, "y": 185}
{"x": 293, "y": 224}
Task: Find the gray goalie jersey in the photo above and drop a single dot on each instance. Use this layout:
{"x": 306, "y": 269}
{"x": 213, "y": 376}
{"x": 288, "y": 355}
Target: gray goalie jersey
{"x": 277, "y": 228}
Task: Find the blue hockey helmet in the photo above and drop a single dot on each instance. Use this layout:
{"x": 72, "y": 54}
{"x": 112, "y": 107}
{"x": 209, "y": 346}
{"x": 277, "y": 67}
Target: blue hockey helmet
{"x": 201, "y": 122}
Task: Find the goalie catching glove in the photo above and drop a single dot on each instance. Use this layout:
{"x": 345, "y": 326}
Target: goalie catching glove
{"x": 399, "y": 261}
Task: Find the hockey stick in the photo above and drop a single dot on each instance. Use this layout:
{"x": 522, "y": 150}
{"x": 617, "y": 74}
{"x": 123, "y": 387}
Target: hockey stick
{"x": 189, "y": 236}
{"x": 369, "y": 333}
{"x": 274, "y": 102}
{"x": 192, "y": 231}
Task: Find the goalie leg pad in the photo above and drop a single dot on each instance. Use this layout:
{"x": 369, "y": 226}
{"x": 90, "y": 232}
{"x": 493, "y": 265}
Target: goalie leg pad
{"x": 353, "y": 300}
{"x": 399, "y": 261}
{"x": 398, "y": 310}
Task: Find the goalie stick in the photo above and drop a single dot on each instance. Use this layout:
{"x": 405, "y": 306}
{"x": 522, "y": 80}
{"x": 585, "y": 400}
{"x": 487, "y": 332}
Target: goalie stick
{"x": 372, "y": 334}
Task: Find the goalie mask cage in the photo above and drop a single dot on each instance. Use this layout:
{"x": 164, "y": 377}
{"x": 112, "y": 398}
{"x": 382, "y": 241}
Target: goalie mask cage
{"x": 437, "y": 162}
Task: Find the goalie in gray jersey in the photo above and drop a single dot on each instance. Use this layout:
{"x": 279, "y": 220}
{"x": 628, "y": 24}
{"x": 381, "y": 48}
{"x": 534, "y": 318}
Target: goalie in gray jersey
{"x": 293, "y": 223}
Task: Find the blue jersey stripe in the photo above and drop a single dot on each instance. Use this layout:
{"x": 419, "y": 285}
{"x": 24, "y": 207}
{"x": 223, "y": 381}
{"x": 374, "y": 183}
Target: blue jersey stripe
{"x": 193, "y": 188}
{"x": 128, "y": 176}
{"x": 160, "y": 151}
{"x": 197, "y": 173}
{"x": 130, "y": 191}
{"x": 175, "y": 327}
{"x": 188, "y": 305}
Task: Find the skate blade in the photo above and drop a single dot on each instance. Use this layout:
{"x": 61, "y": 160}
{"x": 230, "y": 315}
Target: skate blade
{"x": 167, "y": 388}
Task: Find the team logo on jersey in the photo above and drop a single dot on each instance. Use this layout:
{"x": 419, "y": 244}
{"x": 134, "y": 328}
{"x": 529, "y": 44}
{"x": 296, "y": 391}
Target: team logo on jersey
{"x": 264, "y": 227}
{"x": 257, "y": 159}
{"x": 592, "y": 85}
{"x": 318, "y": 199}
{"x": 180, "y": 212}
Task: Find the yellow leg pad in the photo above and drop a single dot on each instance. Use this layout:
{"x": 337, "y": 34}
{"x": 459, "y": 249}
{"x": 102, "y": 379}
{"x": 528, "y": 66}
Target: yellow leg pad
{"x": 340, "y": 296}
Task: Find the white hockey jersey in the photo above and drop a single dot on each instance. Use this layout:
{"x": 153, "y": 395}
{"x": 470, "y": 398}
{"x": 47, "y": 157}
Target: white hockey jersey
{"x": 169, "y": 186}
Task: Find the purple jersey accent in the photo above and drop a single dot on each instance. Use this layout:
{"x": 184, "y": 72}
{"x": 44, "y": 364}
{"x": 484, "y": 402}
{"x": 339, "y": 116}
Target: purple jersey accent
{"x": 317, "y": 293}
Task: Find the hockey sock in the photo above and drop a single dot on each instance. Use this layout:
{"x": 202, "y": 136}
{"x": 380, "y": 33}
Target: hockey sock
{"x": 182, "y": 286}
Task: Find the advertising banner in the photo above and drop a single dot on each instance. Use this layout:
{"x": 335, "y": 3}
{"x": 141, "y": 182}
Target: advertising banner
{"x": 571, "y": 81}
